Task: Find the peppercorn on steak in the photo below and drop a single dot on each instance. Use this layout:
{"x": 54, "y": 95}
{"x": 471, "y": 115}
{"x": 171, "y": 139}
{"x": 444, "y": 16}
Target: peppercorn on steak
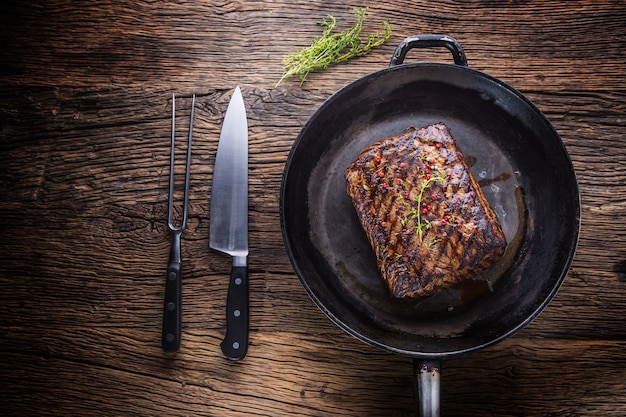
{"x": 423, "y": 212}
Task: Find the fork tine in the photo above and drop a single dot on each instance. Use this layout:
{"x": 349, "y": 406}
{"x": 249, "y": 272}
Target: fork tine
{"x": 187, "y": 169}
{"x": 170, "y": 202}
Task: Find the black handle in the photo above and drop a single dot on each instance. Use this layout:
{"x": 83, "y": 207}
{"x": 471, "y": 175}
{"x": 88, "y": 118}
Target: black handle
{"x": 429, "y": 41}
{"x": 172, "y": 314}
{"x": 235, "y": 343}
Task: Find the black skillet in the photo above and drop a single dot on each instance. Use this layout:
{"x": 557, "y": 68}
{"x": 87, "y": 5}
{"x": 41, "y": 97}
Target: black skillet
{"x": 515, "y": 154}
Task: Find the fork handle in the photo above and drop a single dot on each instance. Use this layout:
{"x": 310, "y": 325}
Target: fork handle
{"x": 172, "y": 314}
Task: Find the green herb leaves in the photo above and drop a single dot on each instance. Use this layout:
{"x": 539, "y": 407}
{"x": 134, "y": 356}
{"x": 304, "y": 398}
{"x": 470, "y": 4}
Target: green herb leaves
{"x": 331, "y": 48}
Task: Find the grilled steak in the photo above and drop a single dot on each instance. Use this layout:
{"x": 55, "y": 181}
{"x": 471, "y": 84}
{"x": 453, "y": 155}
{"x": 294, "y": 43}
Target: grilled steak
{"x": 424, "y": 214}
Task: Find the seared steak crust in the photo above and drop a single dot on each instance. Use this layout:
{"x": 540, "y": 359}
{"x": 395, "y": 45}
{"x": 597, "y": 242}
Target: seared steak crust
{"x": 424, "y": 214}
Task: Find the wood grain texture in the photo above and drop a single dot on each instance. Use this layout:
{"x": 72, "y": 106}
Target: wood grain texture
{"x": 85, "y": 92}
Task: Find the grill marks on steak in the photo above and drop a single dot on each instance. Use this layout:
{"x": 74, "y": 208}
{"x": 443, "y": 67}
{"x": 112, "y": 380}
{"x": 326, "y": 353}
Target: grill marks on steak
{"x": 424, "y": 214}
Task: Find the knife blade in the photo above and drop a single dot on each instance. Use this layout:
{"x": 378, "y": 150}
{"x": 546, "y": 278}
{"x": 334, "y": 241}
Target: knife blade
{"x": 228, "y": 224}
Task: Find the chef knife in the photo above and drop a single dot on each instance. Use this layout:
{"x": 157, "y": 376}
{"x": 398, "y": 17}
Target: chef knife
{"x": 229, "y": 221}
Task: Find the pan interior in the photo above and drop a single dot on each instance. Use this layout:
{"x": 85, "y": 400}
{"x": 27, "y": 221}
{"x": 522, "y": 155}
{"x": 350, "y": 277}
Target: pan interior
{"x": 503, "y": 138}
{"x": 348, "y": 253}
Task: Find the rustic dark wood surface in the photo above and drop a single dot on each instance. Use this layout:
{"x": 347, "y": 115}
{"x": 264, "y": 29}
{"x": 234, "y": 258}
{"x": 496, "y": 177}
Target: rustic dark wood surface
{"x": 85, "y": 93}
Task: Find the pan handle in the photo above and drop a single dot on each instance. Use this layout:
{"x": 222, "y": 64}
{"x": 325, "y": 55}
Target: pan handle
{"x": 429, "y": 41}
{"x": 427, "y": 381}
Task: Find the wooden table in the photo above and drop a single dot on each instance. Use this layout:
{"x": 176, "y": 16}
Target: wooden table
{"x": 85, "y": 92}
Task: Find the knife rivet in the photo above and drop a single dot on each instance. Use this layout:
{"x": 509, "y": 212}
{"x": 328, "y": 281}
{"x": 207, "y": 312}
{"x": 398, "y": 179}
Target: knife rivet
{"x": 238, "y": 281}
{"x": 171, "y": 306}
{"x": 172, "y": 276}
{"x": 169, "y": 337}
{"x": 235, "y": 345}
{"x": 236, "y": 313}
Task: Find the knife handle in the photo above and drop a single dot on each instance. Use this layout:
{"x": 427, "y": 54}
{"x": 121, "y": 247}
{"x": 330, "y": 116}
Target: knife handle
{"x": 235, "y": 343}
{"x": 172, "y": 315}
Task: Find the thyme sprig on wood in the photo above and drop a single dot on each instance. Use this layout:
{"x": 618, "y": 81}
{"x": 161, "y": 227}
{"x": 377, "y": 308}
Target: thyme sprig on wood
{"x": 332, "y": 48}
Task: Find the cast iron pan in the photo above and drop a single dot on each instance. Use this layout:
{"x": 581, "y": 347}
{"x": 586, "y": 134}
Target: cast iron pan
{"x": 514, "y": 152}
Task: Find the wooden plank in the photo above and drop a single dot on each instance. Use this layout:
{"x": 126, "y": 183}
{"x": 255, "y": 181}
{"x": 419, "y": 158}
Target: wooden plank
{"x": 110, "y": 46}
{"x": 350, "y": 379}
